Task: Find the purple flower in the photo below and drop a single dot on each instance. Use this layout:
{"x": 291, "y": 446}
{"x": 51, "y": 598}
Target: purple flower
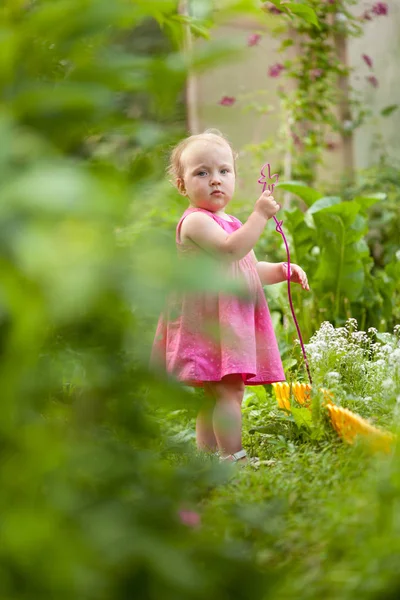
{"x": 316, "y": 73}
{"x": 380, "y": 8}
{"x": 367, "y": 59}
{"x": 227, "y": 101}
{"x": 275, "y": 70}
{"x": 253, "y": 39}
{"x": 373, "y": 81}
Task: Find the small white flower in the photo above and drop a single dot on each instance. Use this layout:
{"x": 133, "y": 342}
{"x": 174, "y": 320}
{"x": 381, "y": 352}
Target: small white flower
{"x": 396, "y": 354}
{"x": 387, "y": 384}
{"x": 334, "y": 375}
{"x": 341, "y": 17}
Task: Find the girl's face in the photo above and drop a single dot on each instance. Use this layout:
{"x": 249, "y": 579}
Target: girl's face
{"x": 208, "y": 175}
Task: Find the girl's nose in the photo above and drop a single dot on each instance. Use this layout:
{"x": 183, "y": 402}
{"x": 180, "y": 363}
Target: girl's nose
{"x": 215, "y": 179}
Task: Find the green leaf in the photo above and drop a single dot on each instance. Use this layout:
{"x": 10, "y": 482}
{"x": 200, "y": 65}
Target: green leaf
{"x": 366, "y": 201}
{"x": 200, "y": 31}
{"x": 307, "y": 194}
{"x": 304, "y": 12}
{"x": 340, "y": 229}
{"x": 259, "y": 392}
{"x": 302, "y": 417}
{"x": 323, "y": 203}
{"x": 288, "y": 363}
{"x": 388, "y": 110}
{"x": 287, "y": 43}
{"x": 303, "y": 236}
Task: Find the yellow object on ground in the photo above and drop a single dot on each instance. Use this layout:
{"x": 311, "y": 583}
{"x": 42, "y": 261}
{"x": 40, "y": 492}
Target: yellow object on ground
{"x": 301, "y": 392}
{"x": 347, "y": 424}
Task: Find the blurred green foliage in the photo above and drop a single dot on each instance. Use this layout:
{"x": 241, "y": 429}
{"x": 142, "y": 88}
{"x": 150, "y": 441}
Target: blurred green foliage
{"x": 94, "y": 477}
{"x": 91, "y": 500}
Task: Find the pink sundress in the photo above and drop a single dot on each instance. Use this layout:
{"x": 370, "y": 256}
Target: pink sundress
{"x": 205, "y": 336}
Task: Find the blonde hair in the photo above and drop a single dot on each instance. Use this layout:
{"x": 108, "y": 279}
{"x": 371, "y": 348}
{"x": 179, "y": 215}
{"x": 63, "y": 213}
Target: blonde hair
{"x": 175, "y": 167}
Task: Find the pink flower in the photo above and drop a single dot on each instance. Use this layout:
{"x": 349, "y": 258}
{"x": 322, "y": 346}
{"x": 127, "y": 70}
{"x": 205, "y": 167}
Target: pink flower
{"x": 366, "y": 16}
{"x": 296, "y": 140}
{"x": 253, "y": 39}
{"x": 271, "y": 8}
{"x": 329, "y": 145}
{"x": 373, "y": 81}
{"x": 380, "y": 8}
{"x": 275, "y": 70}
{"x": 227, "y": 101}
{"x": 316, "y": 73}
{"x": 368, "y": 60}
{"x": 189, "y": 518}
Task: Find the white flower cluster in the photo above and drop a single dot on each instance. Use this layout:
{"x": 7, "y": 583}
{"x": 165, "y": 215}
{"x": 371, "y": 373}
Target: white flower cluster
{"x": 364, "y": 364}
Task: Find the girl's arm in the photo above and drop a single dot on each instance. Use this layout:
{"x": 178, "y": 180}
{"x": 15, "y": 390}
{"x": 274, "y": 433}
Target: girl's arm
{"x": 201, "y": 230}
{"x": 204, "y": 232}
{"x": 271, "y": 273}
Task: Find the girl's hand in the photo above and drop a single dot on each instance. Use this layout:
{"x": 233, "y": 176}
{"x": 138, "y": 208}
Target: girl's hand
{"x": 266, "y": 205}
{"x": 297, "y": 275}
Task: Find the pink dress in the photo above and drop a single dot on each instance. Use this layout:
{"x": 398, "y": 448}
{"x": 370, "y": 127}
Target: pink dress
{"x": 206, "y": 336}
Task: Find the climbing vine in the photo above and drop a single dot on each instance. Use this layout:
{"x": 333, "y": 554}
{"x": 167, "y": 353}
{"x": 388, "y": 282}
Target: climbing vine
{"x": 322, "y": 107}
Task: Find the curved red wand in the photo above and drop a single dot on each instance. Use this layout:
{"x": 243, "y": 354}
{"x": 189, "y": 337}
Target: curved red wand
{"x": 279, "y": 224}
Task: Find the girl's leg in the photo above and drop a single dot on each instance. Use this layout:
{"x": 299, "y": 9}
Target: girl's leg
{"x": 204, "y": 424}
{"x": 227, "y": 418}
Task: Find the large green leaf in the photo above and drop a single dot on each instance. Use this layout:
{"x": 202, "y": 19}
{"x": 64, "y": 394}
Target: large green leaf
{"x": 366, "y": 201}
{"x": 307, "y": 194}
{"x": 323, "y": 203}
{"x": 303, "y": 236}
{"x": 340, "y": 229}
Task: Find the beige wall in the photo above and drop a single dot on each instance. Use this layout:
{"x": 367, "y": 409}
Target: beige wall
{"x": 248, "y": 81}
{"x": 381, "y": 41}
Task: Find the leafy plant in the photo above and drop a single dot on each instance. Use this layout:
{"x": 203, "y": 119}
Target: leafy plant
{"x": 329, "y": 240}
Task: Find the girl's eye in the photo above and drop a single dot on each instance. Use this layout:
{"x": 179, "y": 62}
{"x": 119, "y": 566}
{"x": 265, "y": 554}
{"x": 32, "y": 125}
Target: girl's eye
{"x": 202, "y": 173}
{"x": 224, "y": 171}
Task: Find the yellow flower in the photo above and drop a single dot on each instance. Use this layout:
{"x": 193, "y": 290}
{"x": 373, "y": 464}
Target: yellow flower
{"x": 347, "y": 424}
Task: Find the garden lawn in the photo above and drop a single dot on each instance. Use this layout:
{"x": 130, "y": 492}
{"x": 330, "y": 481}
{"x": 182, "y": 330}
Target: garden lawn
{"x": 321, "y": 518}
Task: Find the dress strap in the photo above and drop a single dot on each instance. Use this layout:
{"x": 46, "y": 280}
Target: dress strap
{"x": 185, "y": 214}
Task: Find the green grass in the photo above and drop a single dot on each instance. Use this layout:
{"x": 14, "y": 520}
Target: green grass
{"x": 323, "y": 520}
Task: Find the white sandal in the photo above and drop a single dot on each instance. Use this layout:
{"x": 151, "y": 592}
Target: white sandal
{"x": 237, "y": 456}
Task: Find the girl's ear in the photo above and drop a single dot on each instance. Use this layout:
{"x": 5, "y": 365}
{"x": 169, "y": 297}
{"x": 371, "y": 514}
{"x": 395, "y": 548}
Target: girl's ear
{"x": 180, "y": 184}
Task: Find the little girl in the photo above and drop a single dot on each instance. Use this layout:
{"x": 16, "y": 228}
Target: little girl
{"x": 220, "y": 341}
